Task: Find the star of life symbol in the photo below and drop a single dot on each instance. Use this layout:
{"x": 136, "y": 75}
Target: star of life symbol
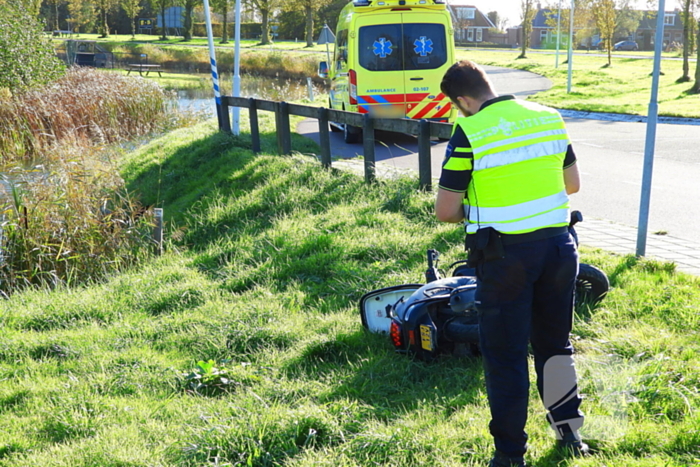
{"x": 423, "y": 46}
{"x": 382, "y": 47}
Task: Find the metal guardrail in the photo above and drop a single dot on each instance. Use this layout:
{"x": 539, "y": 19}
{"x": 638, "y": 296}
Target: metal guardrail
{"x": 424, "y": 129}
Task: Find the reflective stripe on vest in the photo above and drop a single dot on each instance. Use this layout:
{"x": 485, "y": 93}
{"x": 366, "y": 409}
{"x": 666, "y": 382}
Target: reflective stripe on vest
{"x": 517, "y": 182}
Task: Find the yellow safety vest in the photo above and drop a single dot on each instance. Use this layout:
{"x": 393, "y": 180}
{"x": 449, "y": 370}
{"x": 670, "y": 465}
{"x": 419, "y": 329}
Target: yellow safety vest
{"x": 517, "y": 183}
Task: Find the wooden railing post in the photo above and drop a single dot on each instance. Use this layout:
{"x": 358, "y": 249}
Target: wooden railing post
{"x": 224, "y": 118}
{"x": 254, "y": 127}
{"x": 368, "y": 142}
{"x": 284, "y": 136}
{"x": 424, "y": 169}
{"x": 324, "y": 137}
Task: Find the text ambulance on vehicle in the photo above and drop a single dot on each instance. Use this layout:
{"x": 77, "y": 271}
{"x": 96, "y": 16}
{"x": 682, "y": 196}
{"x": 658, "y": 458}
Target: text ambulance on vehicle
{"x": 389, "y": 59}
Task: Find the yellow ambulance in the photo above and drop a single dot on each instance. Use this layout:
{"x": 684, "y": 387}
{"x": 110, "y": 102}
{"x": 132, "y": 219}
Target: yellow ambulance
{"x": 389, "y": 59}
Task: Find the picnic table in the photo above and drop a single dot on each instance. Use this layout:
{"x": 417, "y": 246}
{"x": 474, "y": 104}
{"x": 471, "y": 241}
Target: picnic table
{"x": 142, "y": 67}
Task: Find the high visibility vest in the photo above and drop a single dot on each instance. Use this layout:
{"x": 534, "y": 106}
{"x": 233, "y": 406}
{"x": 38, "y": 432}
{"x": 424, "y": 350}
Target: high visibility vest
{"x": 517, "y": 183}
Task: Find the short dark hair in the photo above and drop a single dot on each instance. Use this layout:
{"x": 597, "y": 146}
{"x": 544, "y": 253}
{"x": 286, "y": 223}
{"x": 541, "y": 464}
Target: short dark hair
{"x": 465, "y": 78}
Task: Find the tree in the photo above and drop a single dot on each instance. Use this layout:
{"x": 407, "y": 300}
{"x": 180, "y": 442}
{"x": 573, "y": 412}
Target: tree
{"x": 309, "y": 7}
{"x": 81, "y": 12}
{"x": 696, "y": 87}
{"x": 188, "y": 24}
{"x": 104, "y": 8}
{"x": 266, "y": 7}
{"x": 528, "y": 15}
{"x": 161, "y": 6}
{"x": 582, "y": 20}
{"x": 688, "y": 25}
{"x": 132, "y": 9}
{"x": 222, "y": 7}
{"x": 498, "y": 21}
{"x": 606, "y": 21}
{"x": 27, "y": 58}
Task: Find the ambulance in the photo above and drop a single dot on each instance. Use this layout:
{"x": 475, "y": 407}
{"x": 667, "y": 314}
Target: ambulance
{"x": 389, "y": 59}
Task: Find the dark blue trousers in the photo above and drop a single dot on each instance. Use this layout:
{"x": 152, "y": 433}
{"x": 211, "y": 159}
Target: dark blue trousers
{"x": 527, "y": 297}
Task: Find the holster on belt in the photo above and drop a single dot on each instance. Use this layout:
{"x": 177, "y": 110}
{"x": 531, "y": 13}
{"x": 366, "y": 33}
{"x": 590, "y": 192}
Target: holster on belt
{"x": 483, "y": 246}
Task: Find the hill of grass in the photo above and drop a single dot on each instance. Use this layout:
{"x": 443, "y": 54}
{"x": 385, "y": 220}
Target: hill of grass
{"x": 242, "y": 344}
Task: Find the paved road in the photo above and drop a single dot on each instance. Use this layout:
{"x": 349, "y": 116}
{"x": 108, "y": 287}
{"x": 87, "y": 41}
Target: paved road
{"x": 610, "y": 157}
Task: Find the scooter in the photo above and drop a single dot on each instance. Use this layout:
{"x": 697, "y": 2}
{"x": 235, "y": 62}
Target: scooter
{"x": 440, "y": 316}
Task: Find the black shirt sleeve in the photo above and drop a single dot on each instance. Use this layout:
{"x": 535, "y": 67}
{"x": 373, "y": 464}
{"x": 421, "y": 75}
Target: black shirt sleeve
{"x": 570, "y": 158}
{"x": 458, "y": 163}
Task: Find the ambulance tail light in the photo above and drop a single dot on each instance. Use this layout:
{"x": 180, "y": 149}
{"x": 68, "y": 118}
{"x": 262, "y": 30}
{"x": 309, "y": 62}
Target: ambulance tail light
{"x": 353, "y": 87}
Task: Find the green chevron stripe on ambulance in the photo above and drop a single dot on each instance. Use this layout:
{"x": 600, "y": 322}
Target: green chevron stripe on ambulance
{"x": 516, "y": 145}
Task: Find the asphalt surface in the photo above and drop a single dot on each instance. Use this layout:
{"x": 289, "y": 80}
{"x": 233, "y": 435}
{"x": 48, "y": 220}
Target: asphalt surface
{"x": 610, "y": 150}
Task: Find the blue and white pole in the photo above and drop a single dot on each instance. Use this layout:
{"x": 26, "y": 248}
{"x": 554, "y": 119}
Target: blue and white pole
{"x": 214, "y": 71}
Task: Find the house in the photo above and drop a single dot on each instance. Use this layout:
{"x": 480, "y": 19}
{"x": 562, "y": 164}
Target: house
{"x": 471, "y": 25}
{"x": 544, "y": 29}
{"x": 646, "y": 32}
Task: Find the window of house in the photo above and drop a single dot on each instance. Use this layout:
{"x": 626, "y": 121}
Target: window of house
{"x": 669, "y": 19}
{"x": 479, "y": 35}
{"x": 466, "y": 13}
{"x": 543, "y": 35}
{"x": 470, "y": 34}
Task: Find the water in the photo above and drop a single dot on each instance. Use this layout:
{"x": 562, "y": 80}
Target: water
{"x": 274, "y": 89}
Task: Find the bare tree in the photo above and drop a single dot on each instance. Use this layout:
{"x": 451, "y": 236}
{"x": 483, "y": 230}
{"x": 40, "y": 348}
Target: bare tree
{"x": 528, "y": 15}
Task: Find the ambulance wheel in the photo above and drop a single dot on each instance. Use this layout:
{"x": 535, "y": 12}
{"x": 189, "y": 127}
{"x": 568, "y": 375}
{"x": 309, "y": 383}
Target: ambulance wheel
{"x": 352, "y": 134}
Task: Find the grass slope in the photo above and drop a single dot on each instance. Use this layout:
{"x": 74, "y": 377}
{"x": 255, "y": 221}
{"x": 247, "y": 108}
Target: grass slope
{"x": 242, "y": 345}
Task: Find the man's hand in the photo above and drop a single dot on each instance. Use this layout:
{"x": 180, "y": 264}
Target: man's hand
{"x": 449, "y": 206}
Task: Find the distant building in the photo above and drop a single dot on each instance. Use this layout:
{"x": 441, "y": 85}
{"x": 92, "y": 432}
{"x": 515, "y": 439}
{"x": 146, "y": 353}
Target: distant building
{"x": 471, "y": 25}
{"x": 544, "y": 34}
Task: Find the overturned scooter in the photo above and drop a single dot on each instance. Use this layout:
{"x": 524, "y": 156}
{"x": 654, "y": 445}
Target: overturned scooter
{"x": 439, "y": 316}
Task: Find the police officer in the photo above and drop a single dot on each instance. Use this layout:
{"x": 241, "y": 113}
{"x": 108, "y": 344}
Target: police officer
{"x": 507, "y": 174}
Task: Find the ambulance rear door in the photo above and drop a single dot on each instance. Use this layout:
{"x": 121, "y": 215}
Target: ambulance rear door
{"x": 428, "y": 51}
{"x": 380, "y": 75}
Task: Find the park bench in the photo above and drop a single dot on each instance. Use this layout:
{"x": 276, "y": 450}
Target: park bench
{"x": 142, "y": 67}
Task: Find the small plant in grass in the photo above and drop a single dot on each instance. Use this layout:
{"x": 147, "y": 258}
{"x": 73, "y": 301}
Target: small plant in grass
{"x": 208, "y": 379}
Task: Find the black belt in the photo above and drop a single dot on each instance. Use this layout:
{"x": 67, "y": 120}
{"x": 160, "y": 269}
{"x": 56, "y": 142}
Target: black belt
{"x": 541, "y": 234}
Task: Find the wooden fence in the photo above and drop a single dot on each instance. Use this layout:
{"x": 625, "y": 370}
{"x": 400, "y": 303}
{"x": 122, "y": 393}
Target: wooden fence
{"x": 424, "y": 129}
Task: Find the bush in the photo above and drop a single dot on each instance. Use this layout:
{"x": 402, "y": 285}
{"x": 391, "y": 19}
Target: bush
{"x": 26, "y": 57}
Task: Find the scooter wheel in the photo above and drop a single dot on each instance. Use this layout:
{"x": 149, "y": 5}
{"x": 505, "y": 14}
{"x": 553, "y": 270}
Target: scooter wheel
{"x": 591, "y": 284}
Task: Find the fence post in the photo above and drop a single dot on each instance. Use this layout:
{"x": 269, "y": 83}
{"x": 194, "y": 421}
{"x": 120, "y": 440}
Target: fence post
{"x": 224, "y": 116}
{"x": 254, "y": 128}
{"x": 368, "y": 142}
{"x": 324, "y": 137}
{"x": 424, "y": 169}
{"x": 284, "y": 137}
{"x": 158, "y": 229}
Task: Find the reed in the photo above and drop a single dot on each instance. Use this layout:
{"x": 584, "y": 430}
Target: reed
{"x": 67, "y": 218}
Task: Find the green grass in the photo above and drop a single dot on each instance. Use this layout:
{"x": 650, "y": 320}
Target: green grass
{"x": 625, "y": 87}
{"x": 242, "y": 344}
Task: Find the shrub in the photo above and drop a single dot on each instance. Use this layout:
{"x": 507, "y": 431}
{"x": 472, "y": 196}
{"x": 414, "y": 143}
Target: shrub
{"x": 26, "y": 57}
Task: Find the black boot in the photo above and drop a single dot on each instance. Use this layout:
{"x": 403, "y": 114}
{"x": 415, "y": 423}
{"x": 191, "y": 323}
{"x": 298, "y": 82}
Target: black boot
{"x": 502, "y": 460}
{"x": 572, "y": 443}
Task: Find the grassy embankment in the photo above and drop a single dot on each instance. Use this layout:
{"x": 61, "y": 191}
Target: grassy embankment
{"x": 625, "y": 87}
{"x": 268, "y": 257}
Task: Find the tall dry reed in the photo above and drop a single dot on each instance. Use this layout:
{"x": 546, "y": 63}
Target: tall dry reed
{"x": 83, "y": 107}
{"x": 66, "y": 216}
